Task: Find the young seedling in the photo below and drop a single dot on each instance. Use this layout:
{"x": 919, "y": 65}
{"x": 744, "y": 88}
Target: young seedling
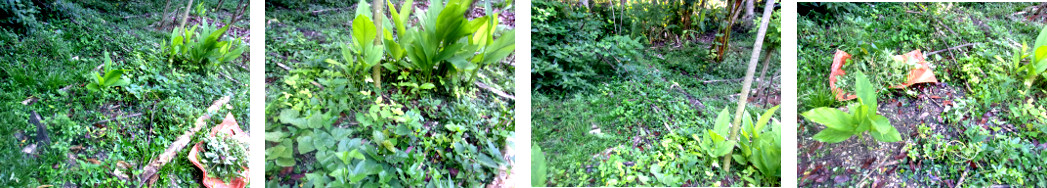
{"x": 112, "y": 77}
{"x": 841, "y": 126}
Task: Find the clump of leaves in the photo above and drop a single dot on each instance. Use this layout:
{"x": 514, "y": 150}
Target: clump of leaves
{"x": 112, "y": 77}
{"x": 198, "y": 52}
{"x": 841, "y": 125}
{"x": 223, "y": 157}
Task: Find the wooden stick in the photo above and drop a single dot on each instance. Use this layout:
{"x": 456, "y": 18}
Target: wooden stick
{"x": 149, "y": 171}
{"x": 495, "y": 91}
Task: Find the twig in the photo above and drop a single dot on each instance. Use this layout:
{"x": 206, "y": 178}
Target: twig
{"x": 230, "y": 78}
{"x": 964, "y": 175}
{"x": 281, "y": 65}
{"x": 951, "y": 48}
{"x": 149, "y": 171}
{"x": 495, "y": 91}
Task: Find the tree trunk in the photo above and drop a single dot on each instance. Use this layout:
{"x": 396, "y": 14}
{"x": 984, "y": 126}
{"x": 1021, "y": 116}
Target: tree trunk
{"x": 163, "y": 17}
{"x": 185, "y": 16}
{"x": 750, "y": 5}
{"x": 763, "y": 72}
{"x": 744, "y": 96}
{"x": 377, "y": 69}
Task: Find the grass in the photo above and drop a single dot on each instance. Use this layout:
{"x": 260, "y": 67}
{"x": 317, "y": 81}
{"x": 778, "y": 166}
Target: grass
{"x": 52, "y": 63}
{"x": 454, "y": 134}
{"x": 974, "y": 125}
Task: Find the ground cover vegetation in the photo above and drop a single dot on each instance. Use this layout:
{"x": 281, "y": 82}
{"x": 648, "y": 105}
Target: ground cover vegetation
{"x": 90, "y": 97}
{"x": 389, "y": 93}
{"x": 982, "y": 124}
{"x": 636, "y": 94}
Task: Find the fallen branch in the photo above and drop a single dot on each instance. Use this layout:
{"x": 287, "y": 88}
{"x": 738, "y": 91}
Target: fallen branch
{"x": 495, "y": 91}
{"x": 951, "y": 48}
{"x": 148, "y": 174}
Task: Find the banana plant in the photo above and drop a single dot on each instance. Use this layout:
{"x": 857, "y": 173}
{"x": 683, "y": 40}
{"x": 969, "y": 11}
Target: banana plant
{"x": 112, "y": 78}
{"x": 841, "y": 126}
{"x": 1038, "y": 65}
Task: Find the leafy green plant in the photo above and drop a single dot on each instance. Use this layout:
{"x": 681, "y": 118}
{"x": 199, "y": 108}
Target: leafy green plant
{"x": 1038, "y": 65}
{"x": 223, "y": 157}
{"x": 112, "y": 77}
{"x": 189, "y": 48}
{"x": 762, "y": 144}
{"x": 443, "y": 43}
{"x": 715, "y": 142}
{"x": 841, "y": 126}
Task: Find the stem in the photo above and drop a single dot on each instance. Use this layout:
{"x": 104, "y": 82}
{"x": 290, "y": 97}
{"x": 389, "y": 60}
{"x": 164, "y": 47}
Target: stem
{"x": 377, "y": 74}
{"x": 748, "y": 81}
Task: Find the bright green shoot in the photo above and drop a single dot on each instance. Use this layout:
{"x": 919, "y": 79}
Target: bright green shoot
{"x": 112, "y": 77}
{"x": 841, "y": 126}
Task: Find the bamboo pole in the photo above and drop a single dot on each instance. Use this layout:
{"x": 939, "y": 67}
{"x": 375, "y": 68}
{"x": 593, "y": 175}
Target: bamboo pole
{"x": 748, "y": 81}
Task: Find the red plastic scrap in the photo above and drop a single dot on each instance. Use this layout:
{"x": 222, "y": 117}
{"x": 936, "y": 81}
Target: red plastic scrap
{"x": 839, "y": 59}
{"x": 921, "y": 73}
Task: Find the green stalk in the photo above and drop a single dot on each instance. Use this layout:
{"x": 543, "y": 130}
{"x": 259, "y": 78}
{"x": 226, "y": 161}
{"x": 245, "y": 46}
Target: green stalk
{"x": 748, "y": 81}
{"x": 377, "y": 69}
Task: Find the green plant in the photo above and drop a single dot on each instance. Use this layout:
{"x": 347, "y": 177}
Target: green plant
{"x": 762, "y": 145}
{"x": 841, "y": 126}
{"x": 223, "y": 157}
{"x": 715, "y": 142}
{"x": 1038, "y": 65}
{"x": 187, "y": 48}
{"x": 112, "y": 77}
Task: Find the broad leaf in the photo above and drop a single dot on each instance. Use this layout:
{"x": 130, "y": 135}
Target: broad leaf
{"x": 832, "y": 136}
{"x": 831, "y": 118}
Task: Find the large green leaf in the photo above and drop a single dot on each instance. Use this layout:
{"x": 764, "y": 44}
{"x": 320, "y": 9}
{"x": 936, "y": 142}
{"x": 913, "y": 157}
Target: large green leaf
{"x": 305, "y": 144}
{"x": 538, "y": 166}
{"x": 831, "y": 118}
{"x": 832, "y": 136}
{"x": 884, "y": 131}
{"x": 864, "y": 89}
{"x": 764, "y": 118}
{"x": 1041, "y": 40}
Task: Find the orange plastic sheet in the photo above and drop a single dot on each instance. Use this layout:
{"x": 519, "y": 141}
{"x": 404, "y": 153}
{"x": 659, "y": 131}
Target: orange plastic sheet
{"x": 230, "y": 127}
{"x": 921, "y": 73}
